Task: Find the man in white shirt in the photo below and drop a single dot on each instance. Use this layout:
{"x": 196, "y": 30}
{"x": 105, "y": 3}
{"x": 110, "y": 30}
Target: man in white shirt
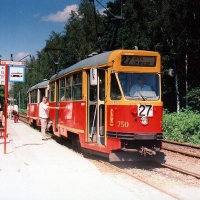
{"x": 44, "y": 115}
{"x": 140, "y": 86}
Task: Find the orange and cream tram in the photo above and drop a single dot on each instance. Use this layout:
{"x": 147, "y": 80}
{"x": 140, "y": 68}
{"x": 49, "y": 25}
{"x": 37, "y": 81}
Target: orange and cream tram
{"x": 104, "y": 110}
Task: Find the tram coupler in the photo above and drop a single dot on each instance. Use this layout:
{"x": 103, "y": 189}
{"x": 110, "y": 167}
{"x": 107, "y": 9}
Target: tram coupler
{"x": 145, "y": 151}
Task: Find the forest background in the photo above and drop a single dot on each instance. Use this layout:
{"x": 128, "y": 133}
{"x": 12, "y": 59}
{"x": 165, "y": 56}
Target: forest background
{"x": 170, "y": 27}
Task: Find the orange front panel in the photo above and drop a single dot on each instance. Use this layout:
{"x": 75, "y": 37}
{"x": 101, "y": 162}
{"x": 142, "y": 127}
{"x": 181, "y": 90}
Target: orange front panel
{"x": 121, "y": 118}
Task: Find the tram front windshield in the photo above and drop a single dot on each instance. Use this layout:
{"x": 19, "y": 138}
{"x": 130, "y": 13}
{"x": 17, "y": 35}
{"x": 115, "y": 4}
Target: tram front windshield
{"x": 136, "y": 86}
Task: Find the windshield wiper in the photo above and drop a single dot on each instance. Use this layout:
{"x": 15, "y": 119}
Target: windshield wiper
{"x": 143, "y": 98}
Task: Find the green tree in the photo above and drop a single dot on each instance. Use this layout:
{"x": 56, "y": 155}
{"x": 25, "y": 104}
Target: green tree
{"x": 170, "y": 27}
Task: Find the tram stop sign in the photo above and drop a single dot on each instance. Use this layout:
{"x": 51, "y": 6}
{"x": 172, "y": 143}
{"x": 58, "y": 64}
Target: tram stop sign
{"x": 12, "y": 71}
{"x": 16, "y": 71}
{"x": 16, "y": 74}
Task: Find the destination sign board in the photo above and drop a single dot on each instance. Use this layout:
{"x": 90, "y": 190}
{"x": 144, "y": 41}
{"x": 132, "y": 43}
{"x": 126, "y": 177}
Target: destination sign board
{"x": 142, "y": 61}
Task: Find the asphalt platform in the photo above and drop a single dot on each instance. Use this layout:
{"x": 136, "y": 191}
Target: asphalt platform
{"x": 36, "y": 169}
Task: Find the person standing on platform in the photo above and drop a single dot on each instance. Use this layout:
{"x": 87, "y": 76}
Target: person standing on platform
{"x": 10, "y": 111}
{"x": 15, "y": 113}
{"x": 44, "y": 116}
{"x": 2, "y": 119}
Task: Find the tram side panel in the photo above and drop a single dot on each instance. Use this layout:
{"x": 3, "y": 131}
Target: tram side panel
{"x": 33, "y": 113}
{"x": 72, "y": 115}
{"x": 71, "y": 118}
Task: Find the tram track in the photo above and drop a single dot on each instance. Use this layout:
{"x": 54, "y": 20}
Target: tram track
{"x": 132, "y": 172}
{"x": 184, "y": 149}
{"x": 115, "y": 168}
{"x": 165, "y": 147}
{"x": 23, "y": 118}
{"x": 132, "y": 175}
{"x": 180, "y": 170}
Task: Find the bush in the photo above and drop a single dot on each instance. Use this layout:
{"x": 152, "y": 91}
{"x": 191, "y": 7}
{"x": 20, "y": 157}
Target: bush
{"x": 22, "y": 111}
{"x": 182, "y": 127}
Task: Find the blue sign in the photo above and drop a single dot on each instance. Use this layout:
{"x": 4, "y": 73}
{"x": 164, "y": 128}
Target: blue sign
{"x": 16, "y": 74}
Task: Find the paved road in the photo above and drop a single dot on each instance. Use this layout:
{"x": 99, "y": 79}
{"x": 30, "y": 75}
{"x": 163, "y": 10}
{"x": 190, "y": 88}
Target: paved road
{"x": 36, "y": 169}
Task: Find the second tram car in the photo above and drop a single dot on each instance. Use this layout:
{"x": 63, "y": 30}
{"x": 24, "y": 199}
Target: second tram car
{"x": 110, "y": 104}
{"x": 35, "y": 94}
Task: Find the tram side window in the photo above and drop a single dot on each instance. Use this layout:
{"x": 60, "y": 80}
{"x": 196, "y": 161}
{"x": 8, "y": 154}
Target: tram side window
{"x": 35, "y": 96}
{"x": 68, "y": 88}
{"x": 115, "y": 93}
{"x": 62, "y": 89}
{"x": 77, "y": 86}
{"x": 101, "y": 85}
{"x": 31, "y": 97}
{"x": 52, "y": 91}
{"x": 42, "y": 94}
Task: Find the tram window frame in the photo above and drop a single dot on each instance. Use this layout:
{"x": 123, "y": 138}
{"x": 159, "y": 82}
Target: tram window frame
{"x": 115, "y": 93}
{"x": 62, "y": 88}
{"x": 68, "y": 89}
{"x": 102, "y": 85}
{"x": 31, "y": 96}
{"x": 52, "y": 92}
{"x": 35, "y": 96}
{"x": 77, "y": 86}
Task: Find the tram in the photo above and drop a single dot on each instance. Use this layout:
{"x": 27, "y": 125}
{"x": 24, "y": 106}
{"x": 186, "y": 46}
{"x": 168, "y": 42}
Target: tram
{"x": 103, "y": 107}
{"x": 34, "y": 97}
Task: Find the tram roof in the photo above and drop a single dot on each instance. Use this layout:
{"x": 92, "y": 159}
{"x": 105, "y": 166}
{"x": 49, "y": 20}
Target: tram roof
{"x": 39, "y": 85}
{"x": 92, "y": 61}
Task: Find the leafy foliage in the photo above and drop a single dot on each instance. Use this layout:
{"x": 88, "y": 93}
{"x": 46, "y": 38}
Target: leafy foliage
{"x": 22, "y": 111}
{"x": 182, "y": 127}
{"x": 1, "y": 95}
{"x": 170, "y": 27}
{"x": 194, "y": 98}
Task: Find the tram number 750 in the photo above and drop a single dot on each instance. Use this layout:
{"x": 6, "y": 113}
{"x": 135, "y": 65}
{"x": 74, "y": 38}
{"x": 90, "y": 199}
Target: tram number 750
{"x": 145, "y": 110}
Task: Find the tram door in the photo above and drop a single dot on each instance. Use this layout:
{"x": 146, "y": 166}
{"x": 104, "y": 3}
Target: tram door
{"x": 57, "y": 103}
{"x": 41, "y": 94}
{"x": 96, "y": 106}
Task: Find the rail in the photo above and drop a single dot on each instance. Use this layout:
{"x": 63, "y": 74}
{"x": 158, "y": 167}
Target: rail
{"x": 184, "y": 149}
{"x": 23, "y": 118}
{"x": 186, "y": 172}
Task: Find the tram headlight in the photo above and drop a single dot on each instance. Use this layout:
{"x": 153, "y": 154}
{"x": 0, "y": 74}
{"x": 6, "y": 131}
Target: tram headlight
{"x": 144, "y": 120}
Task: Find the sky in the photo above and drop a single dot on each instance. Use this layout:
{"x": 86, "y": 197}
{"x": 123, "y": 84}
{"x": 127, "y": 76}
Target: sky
{"x": 25, "y": 25}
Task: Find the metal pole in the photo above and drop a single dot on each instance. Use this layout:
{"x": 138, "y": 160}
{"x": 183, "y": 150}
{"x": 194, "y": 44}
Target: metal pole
{"x": 5, "y": 107}
{"x": 19, "y": 99}
{"x": 186, "y": 81}
{"x": 177, "y": 90}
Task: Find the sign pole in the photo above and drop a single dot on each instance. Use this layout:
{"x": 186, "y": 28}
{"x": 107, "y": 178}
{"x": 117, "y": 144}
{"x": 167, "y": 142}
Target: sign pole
{"x": 14, "y": 76}
{"x": 5, "y": 106}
